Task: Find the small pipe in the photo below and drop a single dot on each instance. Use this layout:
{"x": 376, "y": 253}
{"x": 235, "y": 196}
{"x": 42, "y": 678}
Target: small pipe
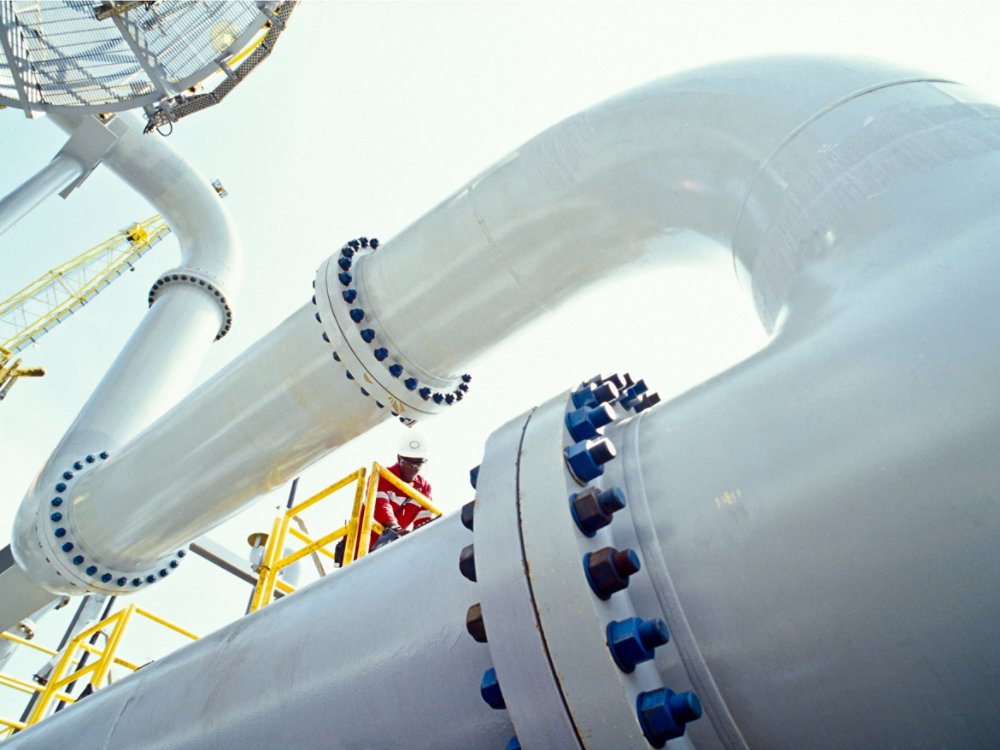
{"x": 54, "y": 176}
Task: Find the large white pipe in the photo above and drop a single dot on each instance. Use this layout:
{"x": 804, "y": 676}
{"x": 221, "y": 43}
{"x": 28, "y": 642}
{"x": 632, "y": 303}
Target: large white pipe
{"x": 190, "y": 308}
{"x": 54, "y": 176}
{"x": 613, "y": 187}
{"x": 817, "y": 524}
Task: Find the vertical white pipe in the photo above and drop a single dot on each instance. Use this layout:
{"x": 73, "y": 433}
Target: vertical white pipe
{"x": 191, "y": 306}
{"x": 54, "y": 176}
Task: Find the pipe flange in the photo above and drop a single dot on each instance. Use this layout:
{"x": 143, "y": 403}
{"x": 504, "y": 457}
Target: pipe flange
{"x": 367, "y": 357}
{"x": 195, "y": 278}
{"x": 561, "y": 627}
{"x": 69, "y": 555}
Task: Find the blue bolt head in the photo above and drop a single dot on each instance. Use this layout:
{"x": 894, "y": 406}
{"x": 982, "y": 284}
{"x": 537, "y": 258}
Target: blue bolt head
{"x": 91, "y": 459}
{"x": 56, "y": 516}
{"x": 150, "y": 578}
{"x": 106, "y": 578}
{"x": 591, "y": 394}
{"x": 345, "y": 263}
{"x": 67, "y": 547}
{"x": 664, "y": 714}
{"x": 60, "y": 532}
{"x": 586, "y": 459}
{"x": 57, "y": 501}
{"x": 122, "y": 581}
{"x": 634, "y": 640}
{"x": 411, "y": 384}
{"x": 396, "y": 370}
{"x": 355, "y": 244}
{"x": 174, "y": 563}
{"x": 61, "y": 487}
{"x": 466, "y": 378}
{"x": 381, "y": 353}
{"x": 181, "y": 553}
{"x": 373, "y": 243}
{"x": 357, "y": 314}
{"x": 347, "y": 251}
{"x": 585, "y": 423}
{"x": 345, "y": 277}
{"x": 474, "y": 476}
{"x": 490, "y": 690}
{"x": 164, "y": 572}
{"x": 350, "y": 295}
{"x": 104, "y": 455}
{"x": 513, "y": 743}
{"x": 368, "y": 335}
{"x": 425, "y": 393}
{"x": 136, "y": 581}
{"x": 67, "y": 475}
{"x": 449, "y": 399}
{"x": 78, "y": 465}
{"x": 438, "y": 398}
{"x": 91, "y": 570}
{"x": 645, "y": 402}
{"x": 78, "y": 560}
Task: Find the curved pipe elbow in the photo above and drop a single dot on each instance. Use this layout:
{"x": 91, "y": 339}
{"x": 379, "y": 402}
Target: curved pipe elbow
{"x": 205, "y": 231}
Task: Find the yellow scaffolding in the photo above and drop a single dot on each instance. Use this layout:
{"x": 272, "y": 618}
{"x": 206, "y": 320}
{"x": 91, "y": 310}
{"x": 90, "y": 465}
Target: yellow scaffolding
{"x": 71, "y": 667}
{"x": 362, "y": 523}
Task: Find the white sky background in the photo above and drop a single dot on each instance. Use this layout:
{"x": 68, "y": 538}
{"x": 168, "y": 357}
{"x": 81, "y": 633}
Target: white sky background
{"x": 365, "y": 117}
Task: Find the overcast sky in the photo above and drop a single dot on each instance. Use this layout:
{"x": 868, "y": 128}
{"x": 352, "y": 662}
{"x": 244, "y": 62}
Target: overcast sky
{"x": 369, "y": 114}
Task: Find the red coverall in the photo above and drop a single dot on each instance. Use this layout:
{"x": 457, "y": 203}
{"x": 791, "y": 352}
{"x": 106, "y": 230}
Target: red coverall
{"x": 392, "y": 507}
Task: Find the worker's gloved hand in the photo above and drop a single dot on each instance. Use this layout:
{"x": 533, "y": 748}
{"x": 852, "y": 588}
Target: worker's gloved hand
{"x": 397, "y": 529}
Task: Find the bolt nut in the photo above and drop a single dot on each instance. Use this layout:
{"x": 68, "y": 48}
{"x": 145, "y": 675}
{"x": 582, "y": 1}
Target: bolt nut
{"x": 474, "y": 623}
{"x": 608, "y": 570}
{"x": 490, "y": 690}
{"x": 585, "y": 423}
{"x": 467, "y": 562}
{"x": 664, "y": 714}
{"x": 593, "y": 509}
{"x": 634, "y": 640}
{"x": 473, "y": 476}
{"x": 586, "y": 459}
{"x": 468, "y": 514}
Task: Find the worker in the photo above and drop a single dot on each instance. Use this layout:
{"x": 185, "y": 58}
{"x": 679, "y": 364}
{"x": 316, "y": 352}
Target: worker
{"x": 397, "y": 512}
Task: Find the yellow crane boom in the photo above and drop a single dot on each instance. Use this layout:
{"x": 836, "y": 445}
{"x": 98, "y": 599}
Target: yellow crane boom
{"x": 44, "y": 303}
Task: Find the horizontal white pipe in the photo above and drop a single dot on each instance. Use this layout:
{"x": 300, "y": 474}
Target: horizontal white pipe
{"x": 610, "y": 188}
{"x": 54, "y": 176}
{"x": 415, "y": 685}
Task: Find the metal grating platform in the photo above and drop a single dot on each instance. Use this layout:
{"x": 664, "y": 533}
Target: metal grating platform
{"x": 89, "y": 56}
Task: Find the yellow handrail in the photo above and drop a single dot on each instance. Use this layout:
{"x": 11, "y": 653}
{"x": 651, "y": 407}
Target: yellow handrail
{"x": 97, "y": 671}
{"x": 359, "y": 528}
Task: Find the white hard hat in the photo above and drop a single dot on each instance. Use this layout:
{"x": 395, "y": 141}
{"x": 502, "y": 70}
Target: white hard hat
{"x": 413, "y": 445}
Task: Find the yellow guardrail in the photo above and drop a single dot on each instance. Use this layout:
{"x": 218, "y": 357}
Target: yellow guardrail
{"x": 361, "y": 525}
{"x": 94, "y": 673}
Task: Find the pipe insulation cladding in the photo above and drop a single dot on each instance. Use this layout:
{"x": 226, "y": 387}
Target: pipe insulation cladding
{"x": 815, "y": 527}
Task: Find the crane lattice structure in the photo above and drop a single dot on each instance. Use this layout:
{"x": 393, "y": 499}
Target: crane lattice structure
{"x": 47, "y": 301}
